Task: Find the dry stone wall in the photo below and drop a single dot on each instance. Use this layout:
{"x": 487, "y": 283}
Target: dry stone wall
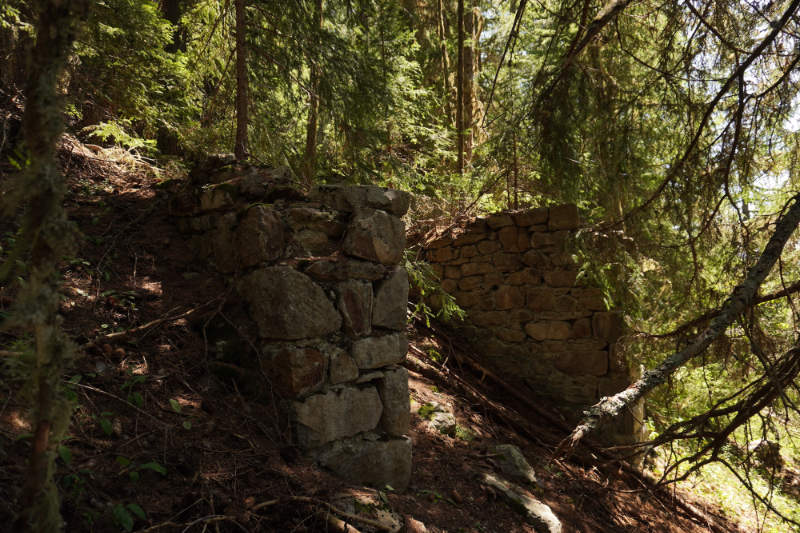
{"x": 320, "y": 278}
{"x": 528, "y": 317}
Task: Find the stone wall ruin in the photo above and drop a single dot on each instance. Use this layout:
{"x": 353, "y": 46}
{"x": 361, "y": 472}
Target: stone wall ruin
{"x": 528, "y": 316}
{"x": 321, "y": 280}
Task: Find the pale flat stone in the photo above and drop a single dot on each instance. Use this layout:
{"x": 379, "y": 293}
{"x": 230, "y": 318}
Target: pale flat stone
{"x": 322, "y": 418}
{"x": 375, "y": 352}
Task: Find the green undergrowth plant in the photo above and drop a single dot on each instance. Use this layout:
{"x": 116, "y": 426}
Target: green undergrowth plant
{"x": 430, "y": 300}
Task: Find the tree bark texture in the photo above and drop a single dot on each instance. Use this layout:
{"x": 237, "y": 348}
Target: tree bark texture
{"x": 740, "y": 299}
{"x": 310, "y": 156}
{"x": 441, "y": 25}
{"x": 460, "y": 89}
{"x": 48, "y": 235}
{"x": 240, "y": 149}
{"x": 469, "y": 81}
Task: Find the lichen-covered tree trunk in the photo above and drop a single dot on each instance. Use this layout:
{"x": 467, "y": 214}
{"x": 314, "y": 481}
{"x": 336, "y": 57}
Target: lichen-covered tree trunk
{"x": 40, "y": 189}
{"x": 740, "y": 299}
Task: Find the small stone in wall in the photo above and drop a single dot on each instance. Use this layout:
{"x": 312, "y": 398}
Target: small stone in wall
{"x": 530, "y": 217}
{"x": 550, "y": 329}
{"x": 391, "y": 200}
{"x": 510, "y": 334}
{"x": 391, "y": 301}
{"x": 564, "y": 217}
{"x": 342, "y": 367}
{"x": 393, "y": 390}
{"x": 310, "y": 243}
{"x": 472, "y": 269}
{"x": 489, "y": 318}
{"x": 376, "y": 236}
{"x": 488, "y": 247}
{"x": 475, "y": 234}
{"x": 535, "y": 258}
{"x": 340, "y": 197}
{"x": 355, "y": 305}
{"x": 508, "y": 238}
{"x": 307, "y": 218}
{"x": 375, "y": 352}
{"x": 582, "y": 328}
{"x": 540, "y": 299}
{"x": 286, "y": 304}
{"x": 441, "y": 255}
{"x": 344, "y": 269}
{"x": 560, "y": 278}
{"x": 215, "y": 198}
{"x": 527, "y": 277}
{"x": 507, "y": 297}
{"x": 499, "y": 220}
{"x": 506, "y": 262}
{"x": 470, "y": 283}
{"x": 294, "y": 370}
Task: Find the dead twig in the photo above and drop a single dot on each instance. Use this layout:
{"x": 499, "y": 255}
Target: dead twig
{"x": 122, "y": 400}
{"x": 120, "y": 335}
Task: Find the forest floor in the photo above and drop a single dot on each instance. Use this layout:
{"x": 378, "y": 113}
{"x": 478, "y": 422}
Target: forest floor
{"x": 166, "y": 437}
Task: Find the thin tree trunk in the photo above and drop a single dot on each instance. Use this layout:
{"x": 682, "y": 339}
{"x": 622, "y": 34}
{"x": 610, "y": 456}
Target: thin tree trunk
{"x": 448, "y": 107}
{"x": 516, "y": 172}
{"x": 172, "y": 12}
{"x": 469, "y": 82}
{"x": 460, "y": 89}
{"x": 310, "y": 156}
{"x": 741, "y": 299}
{"x": 49, "y": 235}
{"x": 240, "y": 149}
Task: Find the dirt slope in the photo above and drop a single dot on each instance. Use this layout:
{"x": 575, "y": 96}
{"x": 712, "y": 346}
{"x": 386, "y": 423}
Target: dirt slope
{"x": 171, "y": 433}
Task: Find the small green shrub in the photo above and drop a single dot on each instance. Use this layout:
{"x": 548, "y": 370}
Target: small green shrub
{"x": 432, "y": 302}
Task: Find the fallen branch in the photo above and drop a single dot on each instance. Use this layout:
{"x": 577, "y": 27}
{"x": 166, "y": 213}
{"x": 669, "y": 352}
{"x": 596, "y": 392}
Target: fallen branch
{"x": 740, "y": 299}
{"x": 120, "y": 335}
{"x": 269, "y": 503}
{"x": 122, "y": 400}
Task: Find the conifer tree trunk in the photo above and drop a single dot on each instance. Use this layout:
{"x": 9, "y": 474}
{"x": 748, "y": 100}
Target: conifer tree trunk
{"x": 442, "y": 31}
{"x": 240, "y": 149}
{"x": 48, "y": 234}
{"x": 310, "y": 156}
{"x": 469, "y": 81}
{"x": 460, "y": 89}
